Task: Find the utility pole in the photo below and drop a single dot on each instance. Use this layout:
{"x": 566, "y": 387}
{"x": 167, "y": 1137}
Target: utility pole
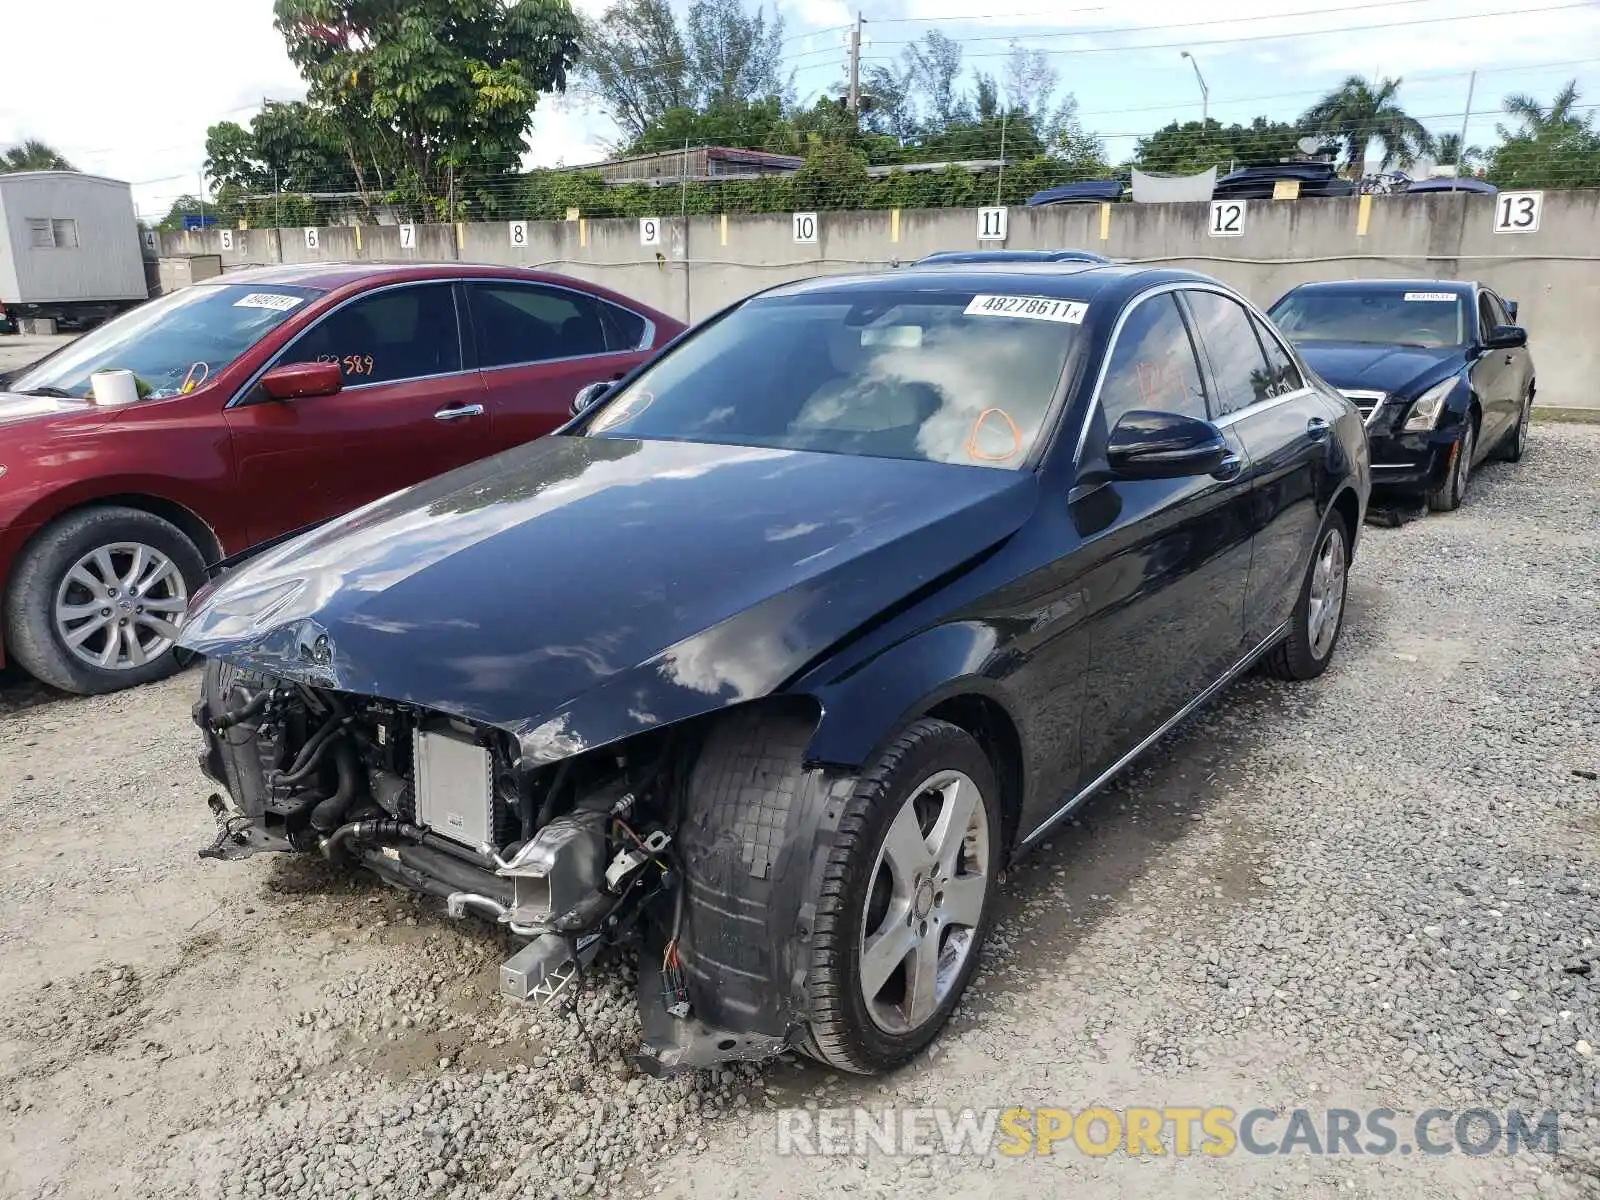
{"x": 1461, "y": 150}
{"x": 855, "y": 63}
{"x": 1205, "y": 93}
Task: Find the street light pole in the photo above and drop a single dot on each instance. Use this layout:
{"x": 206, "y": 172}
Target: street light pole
{"x": 1205, "y": 95}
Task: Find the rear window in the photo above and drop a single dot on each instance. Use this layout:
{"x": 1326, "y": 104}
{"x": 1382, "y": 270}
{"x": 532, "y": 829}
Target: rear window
{"x": 1392, "y": 317}
{"x": 958, "y": 378}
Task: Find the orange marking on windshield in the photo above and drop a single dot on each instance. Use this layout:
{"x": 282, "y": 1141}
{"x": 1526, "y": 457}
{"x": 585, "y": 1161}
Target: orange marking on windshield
{"x": 972, "y": 447}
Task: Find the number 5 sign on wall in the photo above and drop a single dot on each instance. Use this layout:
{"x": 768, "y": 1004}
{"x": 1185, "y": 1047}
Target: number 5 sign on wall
{"x": 1227, "y": 218}
{"x": 1517, "y": 212}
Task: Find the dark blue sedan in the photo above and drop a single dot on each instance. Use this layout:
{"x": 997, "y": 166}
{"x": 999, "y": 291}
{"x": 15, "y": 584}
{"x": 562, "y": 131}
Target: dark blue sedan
{"x": 773, "y": 657}
{"x": 1440, "y": 370}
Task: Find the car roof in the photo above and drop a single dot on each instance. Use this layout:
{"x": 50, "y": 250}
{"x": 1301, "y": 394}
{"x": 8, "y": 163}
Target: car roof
{"x": 982, "y": 256}
{"x": 1360, "y": 287}
{"x": 1068, "y": 280}
{"x": 333, "y": 275}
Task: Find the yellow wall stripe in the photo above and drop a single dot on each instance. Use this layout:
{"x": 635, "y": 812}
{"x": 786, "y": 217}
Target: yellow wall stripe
{"x": 461, "y": 236}
{"x": 1105, "y": 222}
{"x": 583, "y": 231}
{"x": 724, "y": 229}
{"x": 358, "y": 239}
{"x": 1363, "y": 215}
{"x": 894, "y": 224}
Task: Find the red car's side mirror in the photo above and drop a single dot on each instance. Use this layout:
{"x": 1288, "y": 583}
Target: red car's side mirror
{"x": 297, "y": 381}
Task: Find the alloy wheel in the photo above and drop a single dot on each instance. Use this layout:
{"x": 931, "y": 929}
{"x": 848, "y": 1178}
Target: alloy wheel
{"x": 120, "y": 606}
{"x": 1524, "y": 418}
{"x": 924, "y": 902}
{"x": 1326, "y": 601}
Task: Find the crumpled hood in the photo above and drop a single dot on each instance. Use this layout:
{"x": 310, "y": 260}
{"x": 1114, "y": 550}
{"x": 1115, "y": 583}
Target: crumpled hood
{"x": 652, "y": 580}
{"x": 1401, "y": 371}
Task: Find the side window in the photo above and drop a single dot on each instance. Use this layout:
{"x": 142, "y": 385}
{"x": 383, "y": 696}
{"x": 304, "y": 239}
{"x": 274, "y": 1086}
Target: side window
{"x": 624, "y": 329}
{"x": 1283, "y": 376}
{"x": 1153, "y": 364}
{"x": 526, "y": 323}
{"x": 1229, "y": 337}
{"x": 1497, "y": 314}
{"x": 398, "y": 333}
{"x": 1486, "y": 316}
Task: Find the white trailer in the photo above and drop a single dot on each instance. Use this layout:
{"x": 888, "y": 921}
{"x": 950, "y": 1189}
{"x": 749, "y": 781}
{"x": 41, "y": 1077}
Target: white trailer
{"x": 69, "y": 248}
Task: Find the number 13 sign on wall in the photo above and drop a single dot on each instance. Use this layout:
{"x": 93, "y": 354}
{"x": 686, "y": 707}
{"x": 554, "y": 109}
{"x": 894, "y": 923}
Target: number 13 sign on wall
{"x": 1517, "y": 212}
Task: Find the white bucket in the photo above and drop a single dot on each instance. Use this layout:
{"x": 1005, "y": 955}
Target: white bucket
{"x": 114, "y": 387}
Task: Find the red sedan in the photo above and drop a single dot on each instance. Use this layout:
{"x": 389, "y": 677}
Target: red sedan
{"x": 267, "y": 400}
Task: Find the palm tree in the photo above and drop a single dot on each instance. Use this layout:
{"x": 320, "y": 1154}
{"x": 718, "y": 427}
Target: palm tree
{"x": 33, "y": 155}
{"x": 1357, "y": 114}
{"x": 1536, "y": 119}
{"x": 1448, "y": 152}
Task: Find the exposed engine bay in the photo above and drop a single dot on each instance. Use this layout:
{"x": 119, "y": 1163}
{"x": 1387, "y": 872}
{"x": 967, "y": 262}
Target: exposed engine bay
{"x": 569, "y": 857}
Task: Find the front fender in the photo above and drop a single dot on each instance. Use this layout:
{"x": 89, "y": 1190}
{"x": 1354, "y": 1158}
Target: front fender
{"x": 864, "y": 707}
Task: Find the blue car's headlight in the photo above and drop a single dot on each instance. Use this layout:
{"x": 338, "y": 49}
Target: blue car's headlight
{"x": 1425, "y": 409}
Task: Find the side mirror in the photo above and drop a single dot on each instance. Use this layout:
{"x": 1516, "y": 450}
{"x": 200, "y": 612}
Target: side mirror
{"x": 298, "y": 381}
{"x": 588, "y": 397}
{"x": 1506, "y": 337}
{"x": 1511, "y": 309}
{"x": 1164, "y": 445}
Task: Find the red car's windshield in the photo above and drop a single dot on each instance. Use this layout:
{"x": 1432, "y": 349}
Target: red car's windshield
{"x": 172, "y": 344}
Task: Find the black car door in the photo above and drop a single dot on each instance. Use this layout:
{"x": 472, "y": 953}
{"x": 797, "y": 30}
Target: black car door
{"x": 1286, "y": 428}
{"x": 1494, "y": 379}
{"x": 1165, "y": 560}
{"x": 1518, "y": 362}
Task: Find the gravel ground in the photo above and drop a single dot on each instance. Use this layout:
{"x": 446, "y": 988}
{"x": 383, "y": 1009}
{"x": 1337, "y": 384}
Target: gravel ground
{"x": 1376, "y": 890}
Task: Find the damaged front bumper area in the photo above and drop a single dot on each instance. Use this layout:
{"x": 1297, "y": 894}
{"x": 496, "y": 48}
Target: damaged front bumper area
{"x": 569, "y": 857}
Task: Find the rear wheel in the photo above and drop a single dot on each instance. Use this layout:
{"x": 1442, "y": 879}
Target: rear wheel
{"x": 1447, "y": 497}
{"x": 97, "y": 598}
{"x": 1307, "y": 648}
{"x": 1515, "y": 444}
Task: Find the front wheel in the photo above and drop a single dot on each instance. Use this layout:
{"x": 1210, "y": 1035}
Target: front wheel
{"x": 1447, "y": 497}
{"x": 96, "y": 600}
{"x": 1306, "y": 650}
{"x": 906, "y": 900}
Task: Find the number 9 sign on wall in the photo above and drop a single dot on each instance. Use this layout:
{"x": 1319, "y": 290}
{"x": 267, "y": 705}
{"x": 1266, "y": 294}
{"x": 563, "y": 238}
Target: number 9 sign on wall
{"x": 805, "y": 228}
{"x": 1517, "y": 212}
{"x": 649, "y": 231}
{"x": 1227, "y": 218}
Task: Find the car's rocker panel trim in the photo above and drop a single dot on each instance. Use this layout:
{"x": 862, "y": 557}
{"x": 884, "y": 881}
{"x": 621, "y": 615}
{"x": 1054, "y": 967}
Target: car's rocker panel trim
{"x": 1227, "y": 677}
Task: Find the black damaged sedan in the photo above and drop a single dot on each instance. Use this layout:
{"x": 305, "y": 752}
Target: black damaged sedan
{"x": 1440, "y": 371}
{"x": 772, "y": 658}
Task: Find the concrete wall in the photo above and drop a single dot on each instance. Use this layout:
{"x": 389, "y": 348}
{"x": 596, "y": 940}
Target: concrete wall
{"x": 704, "y": 263}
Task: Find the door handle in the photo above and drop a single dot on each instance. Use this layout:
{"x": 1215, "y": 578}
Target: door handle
{"x": 1317, "y": 429}
{"x": 1228, "y": 469}
{"x": 1510, "y": 359}
{"x": 454, "y": 414}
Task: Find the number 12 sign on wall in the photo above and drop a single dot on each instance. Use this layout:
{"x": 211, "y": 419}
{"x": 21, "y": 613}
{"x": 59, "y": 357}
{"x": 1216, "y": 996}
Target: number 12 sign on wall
{"x": 1227, "y": 218}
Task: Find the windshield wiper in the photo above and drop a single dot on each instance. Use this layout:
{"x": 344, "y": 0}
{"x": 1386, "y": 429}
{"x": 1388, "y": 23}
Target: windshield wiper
{"x": 53, "y": 393}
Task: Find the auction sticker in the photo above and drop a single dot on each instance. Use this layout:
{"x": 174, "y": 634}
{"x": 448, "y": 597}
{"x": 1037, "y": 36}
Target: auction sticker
{"x": 272, "y": 300}
{"x": 1442, "y": 297}
{"x": 1034, "y": 308}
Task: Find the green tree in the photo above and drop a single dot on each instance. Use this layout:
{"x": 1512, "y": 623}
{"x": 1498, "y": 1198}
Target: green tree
{"x": 33, "y": 155}
{"x": 1549, "y": 146}
{"x": 752, "y": 126}
{"x": 1190, "y": 147}
{"x": 1358, "y": 114}
{"x": 1448, "y": 152}
{"x": 231, "y": 157}
{"x": 734, "y": 55}
{"x": 438, "y": 93}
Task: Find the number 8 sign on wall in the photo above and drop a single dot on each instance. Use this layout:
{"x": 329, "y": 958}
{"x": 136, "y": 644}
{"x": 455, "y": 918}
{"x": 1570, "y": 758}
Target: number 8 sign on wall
{"x": 1517, "y": 212}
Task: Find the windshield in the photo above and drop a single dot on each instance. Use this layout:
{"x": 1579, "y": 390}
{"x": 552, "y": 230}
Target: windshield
{"x": 955, "y": 378}
{"x": 1416, "y": 318}
{"x": 172, "y": 344}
